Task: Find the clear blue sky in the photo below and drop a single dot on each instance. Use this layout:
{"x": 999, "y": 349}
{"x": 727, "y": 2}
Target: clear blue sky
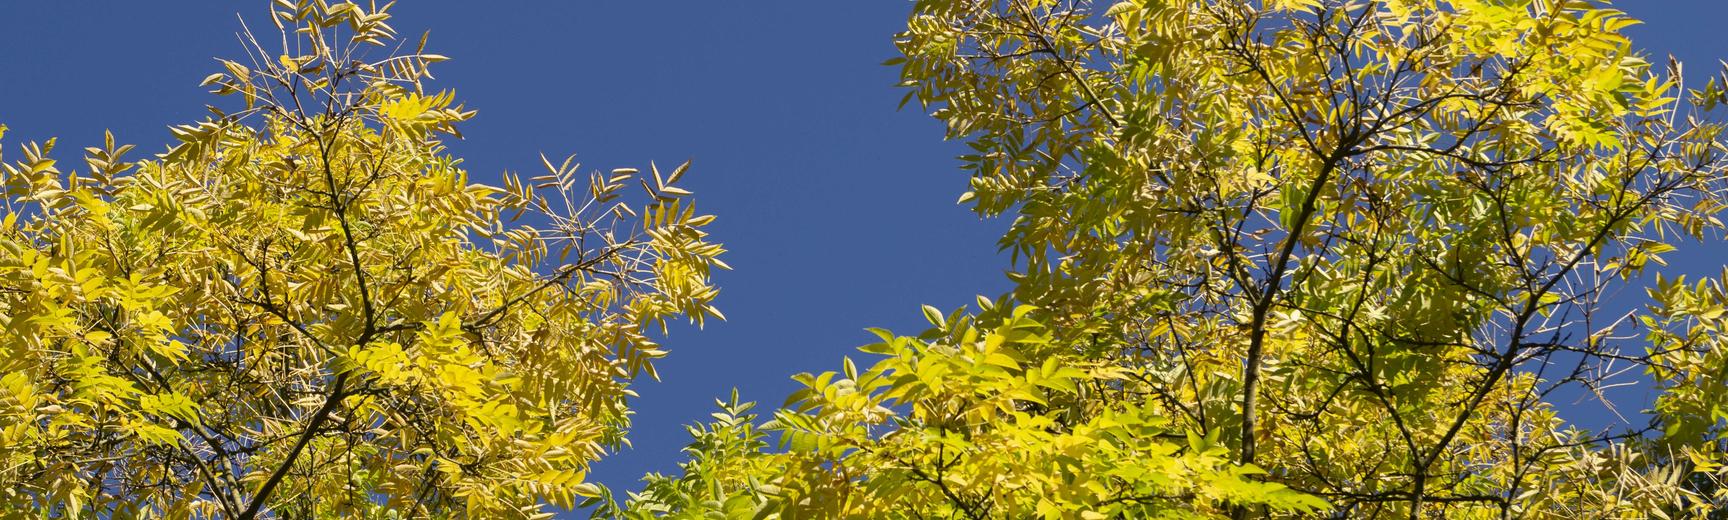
{"x": 839, "y": 210}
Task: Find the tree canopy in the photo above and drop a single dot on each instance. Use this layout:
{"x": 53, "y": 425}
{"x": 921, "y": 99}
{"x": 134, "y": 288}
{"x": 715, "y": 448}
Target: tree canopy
{"x": 1284, "y": 258}
{"x": 1280, "y": 258}
{"x": 305, "y": 309}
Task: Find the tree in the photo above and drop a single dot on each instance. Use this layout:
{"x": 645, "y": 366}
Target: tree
{"x": 304, "y": 309}
{"x": 1286, "y": 258}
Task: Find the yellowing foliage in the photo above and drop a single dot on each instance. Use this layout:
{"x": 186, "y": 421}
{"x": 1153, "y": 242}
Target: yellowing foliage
{"x": 1285, "y": 258}
{"x": 304, "y": 309}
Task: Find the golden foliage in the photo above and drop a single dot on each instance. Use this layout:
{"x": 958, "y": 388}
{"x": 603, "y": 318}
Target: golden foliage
{"x": 305, "y": 309}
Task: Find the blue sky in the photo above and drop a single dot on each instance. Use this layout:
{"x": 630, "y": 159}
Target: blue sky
{"x": 839, "y": 210}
